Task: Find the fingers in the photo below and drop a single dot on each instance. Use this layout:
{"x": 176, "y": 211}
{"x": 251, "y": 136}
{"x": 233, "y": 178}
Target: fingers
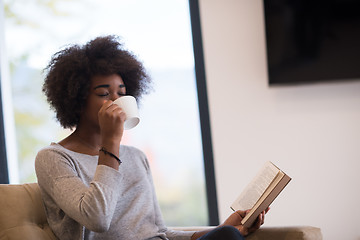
{"x": 109, "y": 107}
{"x": 241, "y": 213}
{"x": 259, "y": 221}
{"x": 237, "y": 216}
{"x": 111, "y": 119}
{"x": 267, "y": 209}
{"x": 262, "y": 215}
{"x": 106, "y": 105}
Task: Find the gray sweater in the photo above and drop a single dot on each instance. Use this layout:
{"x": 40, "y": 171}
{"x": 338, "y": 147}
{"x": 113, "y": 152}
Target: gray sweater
{"x": 84, "y": 200}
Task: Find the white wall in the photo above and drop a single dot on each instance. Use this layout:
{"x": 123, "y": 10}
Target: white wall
{"x": 312, "y": 132}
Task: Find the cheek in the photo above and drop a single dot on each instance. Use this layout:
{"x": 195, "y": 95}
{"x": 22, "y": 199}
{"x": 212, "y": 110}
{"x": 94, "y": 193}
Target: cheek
{"x": 95, "y": 104}
{"x": 92, "y": 108}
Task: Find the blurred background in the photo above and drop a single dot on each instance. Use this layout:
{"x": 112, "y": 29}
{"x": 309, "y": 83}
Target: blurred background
{"x": 159, "y": 33}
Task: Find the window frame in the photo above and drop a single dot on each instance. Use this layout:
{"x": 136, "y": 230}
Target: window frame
{"x": 200, "y": 77}
{"x": 4, "y": 173}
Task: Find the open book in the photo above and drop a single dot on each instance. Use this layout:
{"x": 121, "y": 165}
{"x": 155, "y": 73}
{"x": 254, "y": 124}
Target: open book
{"x": 261, "y": 192}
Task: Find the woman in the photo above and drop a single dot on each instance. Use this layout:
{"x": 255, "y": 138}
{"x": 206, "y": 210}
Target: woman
{"x": 93, "y": 187}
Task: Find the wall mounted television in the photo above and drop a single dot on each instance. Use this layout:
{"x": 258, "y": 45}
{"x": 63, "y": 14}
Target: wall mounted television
{"x": 310, "y": 41}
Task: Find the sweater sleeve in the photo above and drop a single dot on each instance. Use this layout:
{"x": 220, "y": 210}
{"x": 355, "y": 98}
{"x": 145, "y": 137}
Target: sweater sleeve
{"x": 91, "y": 206}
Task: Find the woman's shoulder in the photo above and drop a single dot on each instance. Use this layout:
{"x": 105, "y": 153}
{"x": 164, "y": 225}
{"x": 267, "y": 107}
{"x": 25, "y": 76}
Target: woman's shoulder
{"x": 49, "y": 158}
{"x": 133, "y": 154}
{"x": 56, "y": 152}
{"x": 131, "y": 150}
{"x": 50, "y": 149}
{"x": 56, "y": 148}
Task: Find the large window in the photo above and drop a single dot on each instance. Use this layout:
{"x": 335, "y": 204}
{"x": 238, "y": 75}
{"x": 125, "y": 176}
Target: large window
{"x": 159, "y": 32}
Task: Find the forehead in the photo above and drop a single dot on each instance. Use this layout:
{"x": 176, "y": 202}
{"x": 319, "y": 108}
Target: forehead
{"x": 113, "y": 79}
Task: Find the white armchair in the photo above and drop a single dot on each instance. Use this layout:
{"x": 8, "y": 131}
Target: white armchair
{"x": 274, "y": 233}
{"x": 22, "y": 217}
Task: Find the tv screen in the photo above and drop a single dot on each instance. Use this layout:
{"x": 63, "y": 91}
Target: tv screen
{"x": 312, "y": 40}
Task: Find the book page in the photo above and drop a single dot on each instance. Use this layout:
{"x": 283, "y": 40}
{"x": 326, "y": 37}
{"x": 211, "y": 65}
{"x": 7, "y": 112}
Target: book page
{"x": 256, "y": 187}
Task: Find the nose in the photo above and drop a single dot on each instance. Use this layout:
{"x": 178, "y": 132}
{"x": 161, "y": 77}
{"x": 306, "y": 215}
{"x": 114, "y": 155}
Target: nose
{"x": 114, "y": 96}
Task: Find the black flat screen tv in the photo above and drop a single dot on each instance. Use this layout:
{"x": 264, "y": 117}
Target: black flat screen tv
{"x": 310, "y": 41}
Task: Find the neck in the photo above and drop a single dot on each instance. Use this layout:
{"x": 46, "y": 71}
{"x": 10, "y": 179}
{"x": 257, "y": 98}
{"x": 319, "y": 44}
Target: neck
{"x": 87, "y": 139}
{"x": 86, "y": 142}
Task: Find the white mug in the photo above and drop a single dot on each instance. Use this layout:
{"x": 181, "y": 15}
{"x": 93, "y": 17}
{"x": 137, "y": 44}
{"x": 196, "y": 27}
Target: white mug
{"x": 129, "y": 106}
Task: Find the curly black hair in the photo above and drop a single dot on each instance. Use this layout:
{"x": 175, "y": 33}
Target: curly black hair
{"x": 69, "y": 73}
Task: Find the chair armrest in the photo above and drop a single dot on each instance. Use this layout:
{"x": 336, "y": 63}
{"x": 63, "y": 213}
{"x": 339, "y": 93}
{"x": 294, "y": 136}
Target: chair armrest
{"x": 192, "y": 228}
{"x": 287, "y": 233}
{"x": 272, "y": 233}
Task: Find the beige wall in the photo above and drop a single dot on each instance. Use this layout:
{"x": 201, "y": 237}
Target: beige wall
{"x": 310, "y": 131}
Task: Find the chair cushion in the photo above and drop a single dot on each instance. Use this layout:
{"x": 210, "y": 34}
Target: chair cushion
{"x": 22, "y": 214}
{"x": 27, "y": 232}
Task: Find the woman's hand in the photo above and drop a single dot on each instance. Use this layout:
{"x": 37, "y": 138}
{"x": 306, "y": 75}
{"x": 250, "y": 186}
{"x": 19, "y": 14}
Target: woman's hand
{"x": 235, "y": 220}
{"x": 111, "y": 121}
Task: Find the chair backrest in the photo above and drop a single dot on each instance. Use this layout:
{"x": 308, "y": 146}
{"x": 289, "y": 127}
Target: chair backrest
{"x": 22, "y": 214}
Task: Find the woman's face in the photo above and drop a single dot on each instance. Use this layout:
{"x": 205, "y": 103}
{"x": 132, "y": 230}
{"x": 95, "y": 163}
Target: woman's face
{"x": 102, "y": 88}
